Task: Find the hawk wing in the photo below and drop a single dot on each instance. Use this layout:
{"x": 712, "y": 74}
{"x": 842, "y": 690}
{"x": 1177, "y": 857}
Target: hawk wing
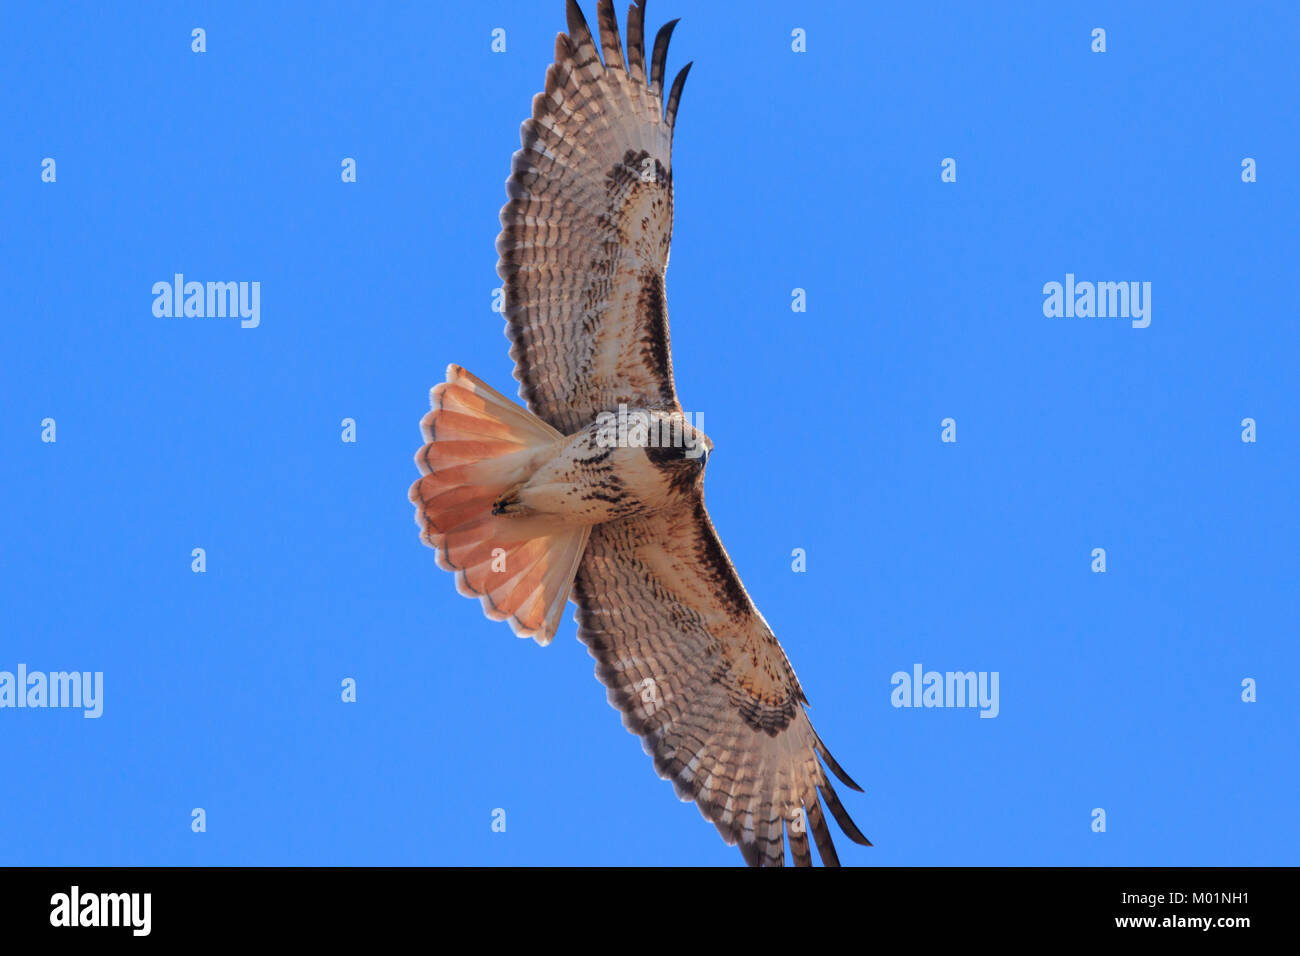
{"x": 585, "y": 235}
{"x": 698, "y": 674}
{"x": 684, "y": 653}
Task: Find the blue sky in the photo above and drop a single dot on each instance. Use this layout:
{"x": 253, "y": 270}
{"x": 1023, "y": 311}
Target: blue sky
{"x": 818, "y": 170}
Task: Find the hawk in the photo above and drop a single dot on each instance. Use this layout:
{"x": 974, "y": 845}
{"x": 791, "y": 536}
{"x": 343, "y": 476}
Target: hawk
{"x": 567, "y": 500}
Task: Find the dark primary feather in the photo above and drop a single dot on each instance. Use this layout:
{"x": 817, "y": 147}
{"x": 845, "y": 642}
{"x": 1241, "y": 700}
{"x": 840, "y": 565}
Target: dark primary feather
{"x": 636, "y": 43}
{"x": 660, "y": 56}
{"x": 611, "y": 44}
{"x": 675, "y": 95}
{"x": 584, "y": 49}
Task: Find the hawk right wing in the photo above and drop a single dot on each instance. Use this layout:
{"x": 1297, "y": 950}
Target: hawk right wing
{"x": 699, "y": 676}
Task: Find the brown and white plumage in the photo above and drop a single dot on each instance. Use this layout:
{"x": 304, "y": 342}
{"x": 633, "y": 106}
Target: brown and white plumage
{"x": 584, "y": 238}
{"x": 661, "y": 609}
{"x": 685, "y": 656}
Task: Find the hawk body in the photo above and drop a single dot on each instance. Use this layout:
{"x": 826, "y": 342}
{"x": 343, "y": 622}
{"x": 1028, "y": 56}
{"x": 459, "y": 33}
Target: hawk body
{"x": 532, "y": 508}
{"x": 592, "y": 478}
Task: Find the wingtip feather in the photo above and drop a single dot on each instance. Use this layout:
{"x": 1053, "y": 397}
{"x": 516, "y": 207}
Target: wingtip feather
{"x": 660, "y": 56}
{"x": 675, "y": 96}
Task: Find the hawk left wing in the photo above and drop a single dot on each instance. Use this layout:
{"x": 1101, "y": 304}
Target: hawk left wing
{"x": 584, "y": 238}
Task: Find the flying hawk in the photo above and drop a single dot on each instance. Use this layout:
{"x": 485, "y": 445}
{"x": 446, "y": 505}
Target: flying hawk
{"x": 566, "y": 500}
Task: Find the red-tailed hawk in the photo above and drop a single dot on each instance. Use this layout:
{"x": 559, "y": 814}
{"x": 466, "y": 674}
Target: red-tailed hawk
{"x": 530, "y": 508}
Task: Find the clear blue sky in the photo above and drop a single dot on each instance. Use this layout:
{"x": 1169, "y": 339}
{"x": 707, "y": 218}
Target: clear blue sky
{"x": 818, "y": 171}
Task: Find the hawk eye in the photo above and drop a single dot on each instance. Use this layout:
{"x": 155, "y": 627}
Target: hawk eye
{"x": 671, "y": 454}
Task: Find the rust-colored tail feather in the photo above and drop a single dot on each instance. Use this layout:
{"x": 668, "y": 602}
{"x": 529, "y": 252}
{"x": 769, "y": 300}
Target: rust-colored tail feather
{"x": 478, "y": 445}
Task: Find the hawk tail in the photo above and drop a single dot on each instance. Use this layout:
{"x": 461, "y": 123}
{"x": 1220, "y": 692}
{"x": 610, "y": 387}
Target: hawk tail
{"x": 479, "y": 445}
